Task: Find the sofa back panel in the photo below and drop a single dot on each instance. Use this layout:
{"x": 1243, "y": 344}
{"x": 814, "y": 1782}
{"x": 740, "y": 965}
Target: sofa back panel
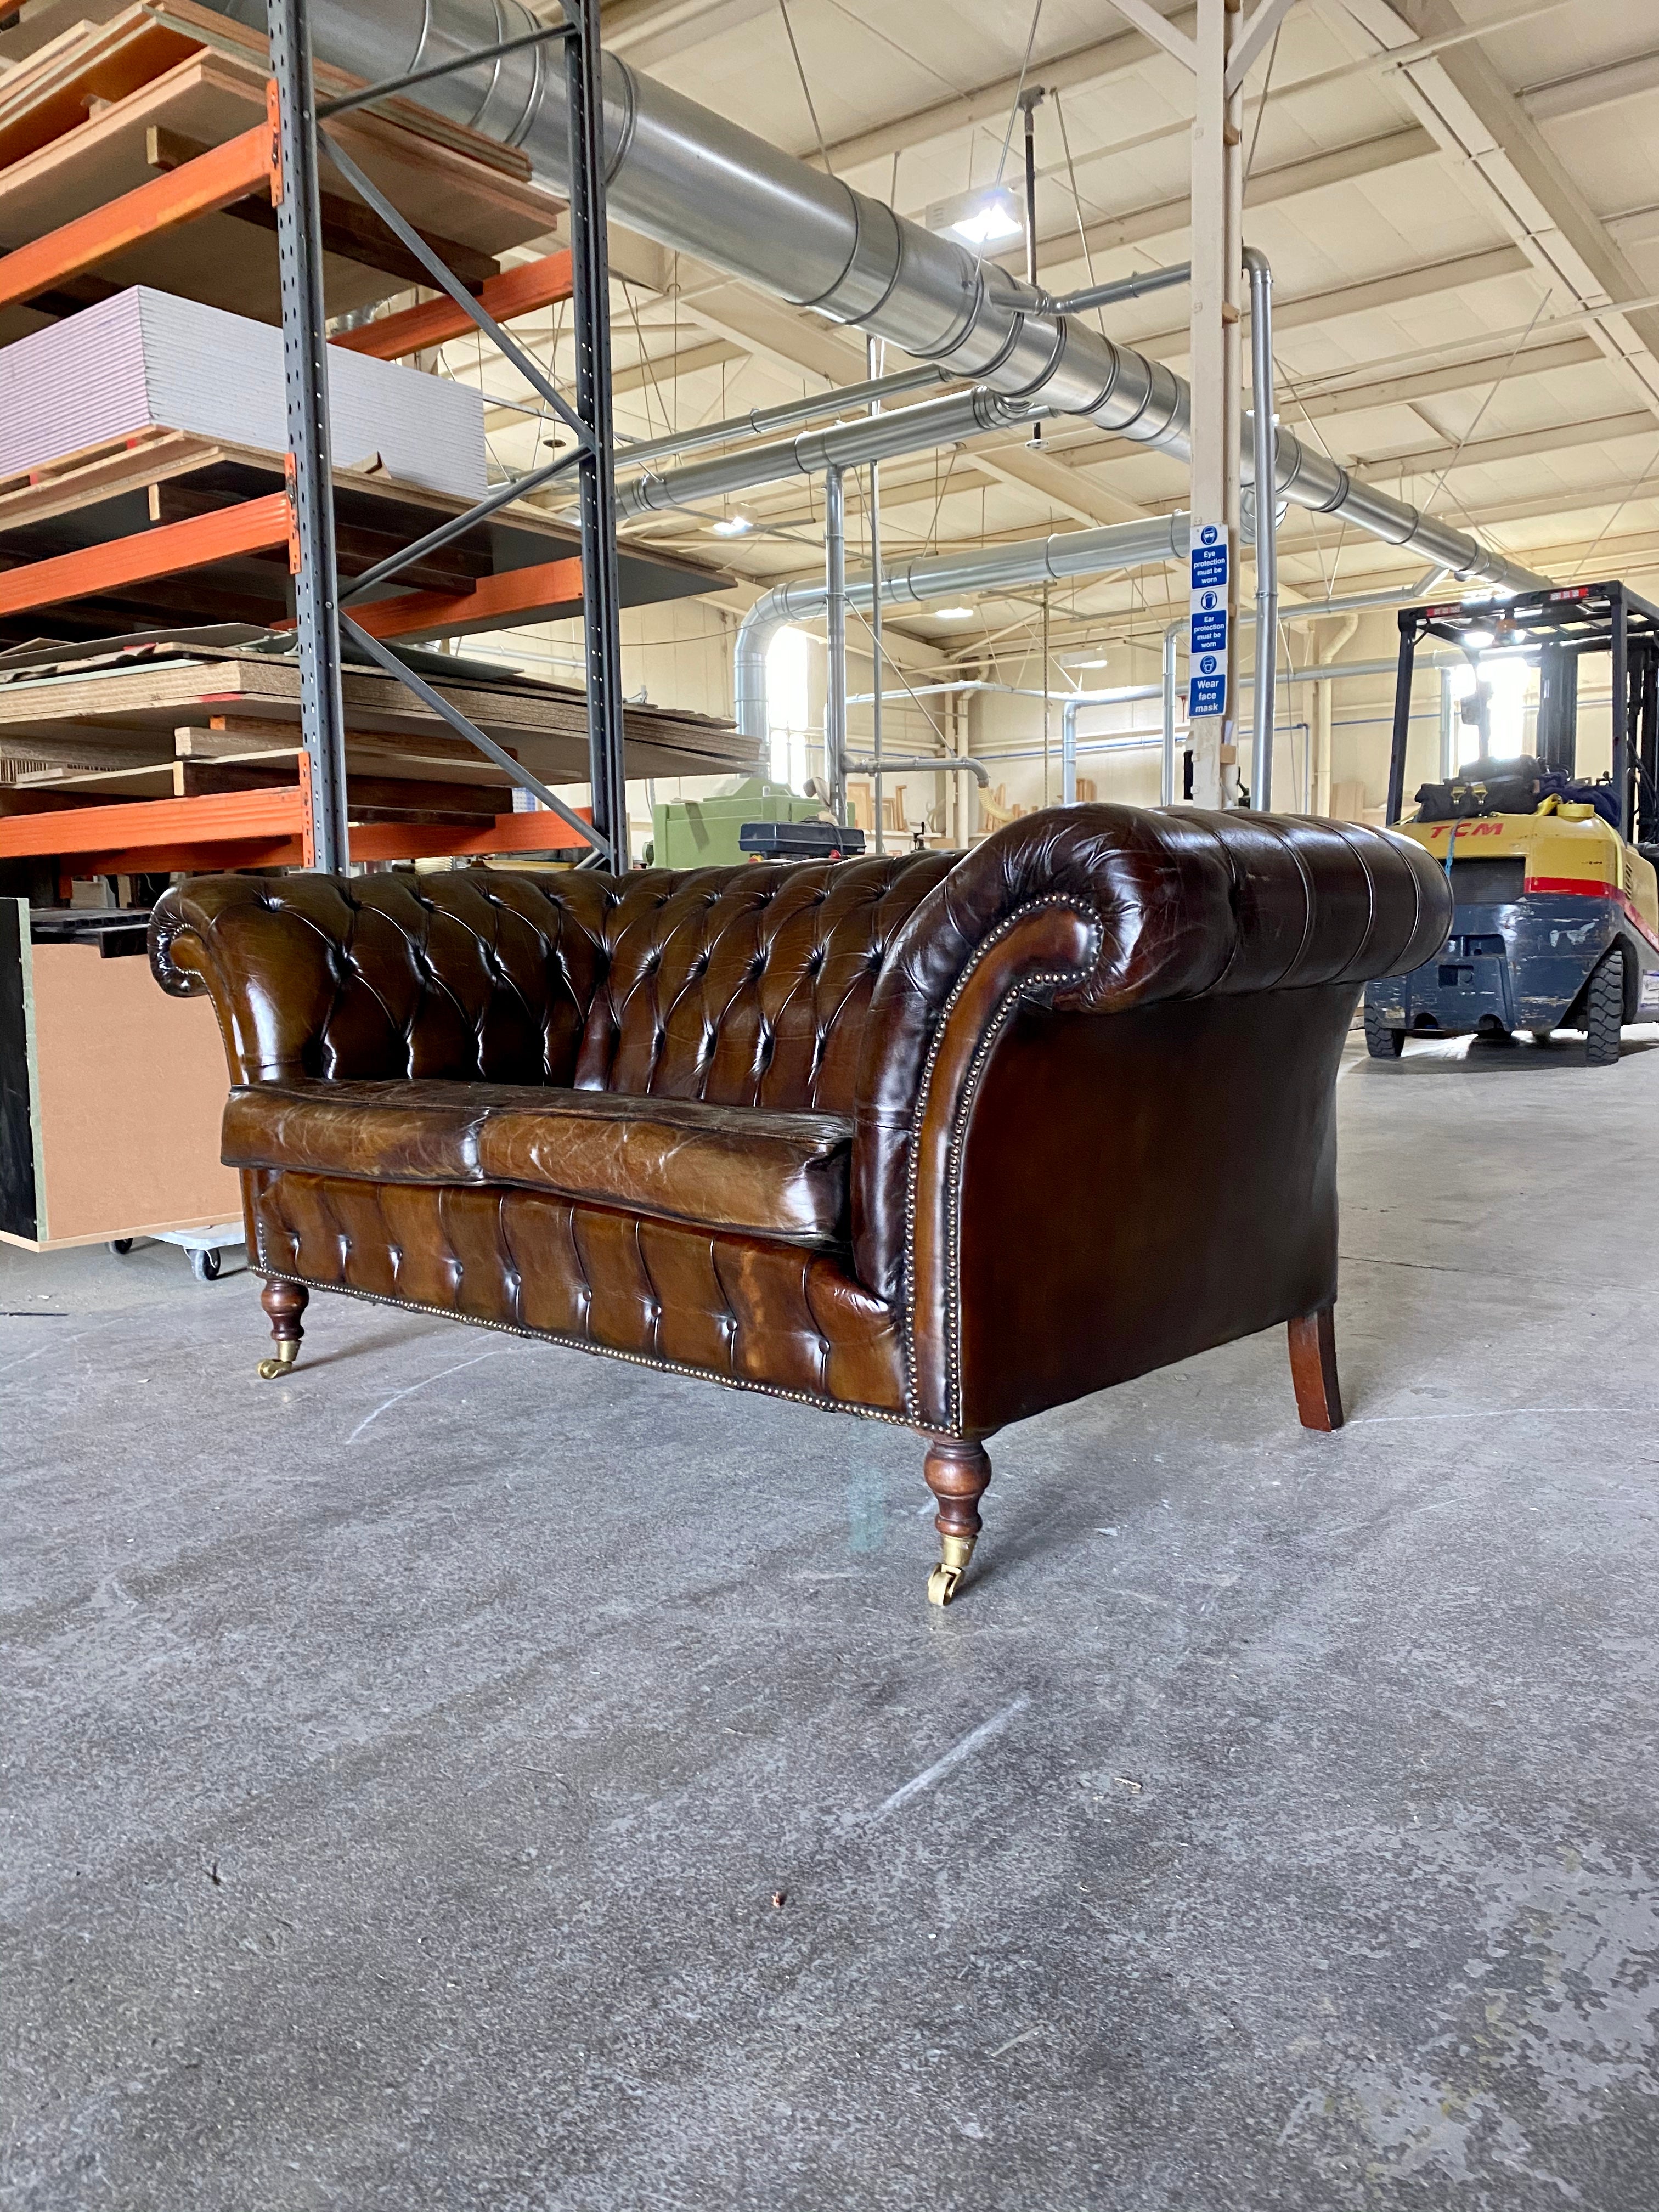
{"x": 741, "y": 987}
{"x": 469, "y": 976}
{"x": 748, "y": 986}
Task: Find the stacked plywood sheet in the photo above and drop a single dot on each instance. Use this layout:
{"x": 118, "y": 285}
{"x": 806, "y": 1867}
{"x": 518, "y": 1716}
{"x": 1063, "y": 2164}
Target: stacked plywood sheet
{"x": 116, "y": 710}
{"x": 146, "y": 361}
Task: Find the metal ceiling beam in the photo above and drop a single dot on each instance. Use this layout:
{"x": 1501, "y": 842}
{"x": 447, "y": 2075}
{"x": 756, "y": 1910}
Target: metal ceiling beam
{"x": 651, "y": 32}
{"x": 1313, "y": 173}
{"x": 1606, "y": 85}
{"x": 1096, "y": 62}
{"x": 1458, "y": 95}
{"x": 1524, "y": 445}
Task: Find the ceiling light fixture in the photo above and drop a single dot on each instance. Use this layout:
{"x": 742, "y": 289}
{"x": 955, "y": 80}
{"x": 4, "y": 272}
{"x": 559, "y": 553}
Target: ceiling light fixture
{"x": 954, "y": 614}
{"x": 989, "y": 216}
{"x": 1477, "y": 640}
{"x": 732, "y": 526}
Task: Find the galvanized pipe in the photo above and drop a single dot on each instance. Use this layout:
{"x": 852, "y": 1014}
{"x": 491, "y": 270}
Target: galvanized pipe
{"x": 1260, "y": 275}
{"x": 1123, "y": 288}
{"x": 835, "y": 596}
{"x": 695, "y": 182}
{"x": 1068, "y": 714}
{"x": 860, "y": 444}
{"x": 759, "y": 421}
{"x": 1067, "y": 553}
{"x": 921, "y": 764}
{"x": 1166, "y": 782}
{"x": 873, "y": 351}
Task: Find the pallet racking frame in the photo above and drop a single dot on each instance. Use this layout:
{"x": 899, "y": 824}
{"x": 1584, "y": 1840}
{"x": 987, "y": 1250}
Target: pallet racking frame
{"x": 308, "y": 825}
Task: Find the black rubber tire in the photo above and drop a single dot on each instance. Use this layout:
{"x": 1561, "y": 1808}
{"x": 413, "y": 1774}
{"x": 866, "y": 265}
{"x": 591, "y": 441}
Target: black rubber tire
{"x": 120, "y": 1246}
{"x": 1382, "y": 1041}
{"x": 204, "y": 1265}
{"x": 1604, "y": 1010}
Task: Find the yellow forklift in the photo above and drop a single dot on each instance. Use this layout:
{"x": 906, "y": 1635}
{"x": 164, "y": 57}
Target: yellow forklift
{"x": 1556, "y": 924}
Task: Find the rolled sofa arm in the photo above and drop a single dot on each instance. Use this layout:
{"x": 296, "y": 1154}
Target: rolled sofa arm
{"x": 483, "y": 977}
{"x": 1098, "y": 909}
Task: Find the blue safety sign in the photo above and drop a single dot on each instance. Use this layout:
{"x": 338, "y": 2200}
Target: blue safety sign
{"x": 1207, "y": 697}
{"x": 1210, "y": 566}
{"x": 1207, "y": 630}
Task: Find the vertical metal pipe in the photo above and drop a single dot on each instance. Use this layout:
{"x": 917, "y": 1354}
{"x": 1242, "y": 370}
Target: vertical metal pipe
{"x": 304, "y": 363}
{"x": 835, "y": 580}
{"x": 1448, "y": 728}
{"x": 874, "y": 348}
{"x": 1264, "y": 446}
{"x": 1166, "y": 788}
{"x": 1402, "y": 719}
{"x": 1029, "y": 101}
{"x": 590, "y": 303}
{"x": 1068, "y": 752}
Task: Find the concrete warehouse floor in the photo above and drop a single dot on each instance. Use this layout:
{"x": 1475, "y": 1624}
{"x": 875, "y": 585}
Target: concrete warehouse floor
{"x": 402, "y": 1762}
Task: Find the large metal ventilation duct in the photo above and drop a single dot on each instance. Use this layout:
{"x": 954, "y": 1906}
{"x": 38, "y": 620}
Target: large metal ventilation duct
{"x": 696, "y": 183}
{"x": 988, "y": 568}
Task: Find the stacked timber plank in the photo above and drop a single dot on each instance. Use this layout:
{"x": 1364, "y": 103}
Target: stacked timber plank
{"x": 118, "y": 711}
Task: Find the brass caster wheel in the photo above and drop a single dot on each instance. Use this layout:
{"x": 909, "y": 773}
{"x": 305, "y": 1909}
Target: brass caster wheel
{"x": 946, "y": 1580}
{"x": 287, "y": 1353}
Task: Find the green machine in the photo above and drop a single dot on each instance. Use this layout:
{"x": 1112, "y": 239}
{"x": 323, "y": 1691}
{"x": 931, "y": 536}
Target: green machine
{"x": 702, "y": 833}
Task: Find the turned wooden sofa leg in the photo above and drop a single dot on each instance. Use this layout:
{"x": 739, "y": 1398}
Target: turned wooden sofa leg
{"x": 284, "y": 1302}
{"x": 957, "y": 1474}
{"x": 1313, "y": 1370}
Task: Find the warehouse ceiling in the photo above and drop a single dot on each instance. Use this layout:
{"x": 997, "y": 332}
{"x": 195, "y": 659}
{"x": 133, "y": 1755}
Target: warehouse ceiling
{"x": 1461, "y": 206}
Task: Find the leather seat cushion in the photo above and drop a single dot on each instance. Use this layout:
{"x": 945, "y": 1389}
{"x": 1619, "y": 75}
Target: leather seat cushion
{"x": 781, "y": 1175}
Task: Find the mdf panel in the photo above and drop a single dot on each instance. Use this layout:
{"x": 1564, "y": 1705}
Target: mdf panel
{"x": 130, "y": 1087}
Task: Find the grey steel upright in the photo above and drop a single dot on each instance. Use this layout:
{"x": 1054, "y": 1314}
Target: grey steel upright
{"x": 305, "y": 359}
{"x": 590, "y": 300}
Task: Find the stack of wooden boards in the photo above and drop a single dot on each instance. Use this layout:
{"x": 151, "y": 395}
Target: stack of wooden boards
{"x": 163, "y": 754}
{"x": 114, "y": 718}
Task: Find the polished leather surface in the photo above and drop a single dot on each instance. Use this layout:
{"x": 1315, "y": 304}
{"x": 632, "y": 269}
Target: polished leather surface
{"x": 1100, "y": 909}
{"x": 747, "y": 1169}
{"x": 745, "y": 987}
{"x": 1194, "y": 1145}
{"x": 762, "y": 1316}
{"x": 1090, "y": 1067}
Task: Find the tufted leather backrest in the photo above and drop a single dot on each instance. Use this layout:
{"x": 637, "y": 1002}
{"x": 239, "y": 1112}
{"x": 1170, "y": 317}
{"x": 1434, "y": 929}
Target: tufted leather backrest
{"x": 744, "y": 986}
{"x": 747, "y": 986}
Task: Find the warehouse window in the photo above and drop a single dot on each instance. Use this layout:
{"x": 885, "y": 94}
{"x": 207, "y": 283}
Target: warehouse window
{"x": 1511, "y": 682}
{"x": 788, "y": 706}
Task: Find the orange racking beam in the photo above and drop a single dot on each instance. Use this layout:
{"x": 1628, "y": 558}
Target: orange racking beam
{"x": 220, "y": 817}
{"x": 515, "y": 292}
{"x": 182, "y": 860}
{"x": 255, "y": 527}
{"x": 227, "y": 172}
{"x": 250, "y": 829}
{"x": 520, "y": 595}
{"x": 507, "y": 833}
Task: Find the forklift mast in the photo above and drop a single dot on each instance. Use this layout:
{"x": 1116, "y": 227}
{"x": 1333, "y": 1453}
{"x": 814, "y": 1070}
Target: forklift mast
{"x": 1562, "y": 626}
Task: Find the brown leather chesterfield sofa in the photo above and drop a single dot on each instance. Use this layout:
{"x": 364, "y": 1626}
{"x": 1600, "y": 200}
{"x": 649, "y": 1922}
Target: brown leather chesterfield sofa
{"x": 940, "y": 1140}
